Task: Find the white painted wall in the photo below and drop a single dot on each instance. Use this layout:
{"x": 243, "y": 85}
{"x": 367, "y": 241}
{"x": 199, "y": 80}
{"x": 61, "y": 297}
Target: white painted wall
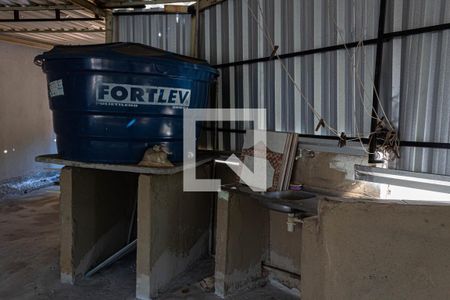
{"x": 25, "y": 118}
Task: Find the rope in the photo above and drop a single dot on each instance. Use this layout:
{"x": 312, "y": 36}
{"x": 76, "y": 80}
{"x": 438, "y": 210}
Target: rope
{"x": 340, "y": 32}
{"x": 321, "y": 120}
{"x": 391, "y": 144}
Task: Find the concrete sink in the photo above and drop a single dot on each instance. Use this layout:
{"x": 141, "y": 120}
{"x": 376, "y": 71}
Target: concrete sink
{"x": 288, "y": 201}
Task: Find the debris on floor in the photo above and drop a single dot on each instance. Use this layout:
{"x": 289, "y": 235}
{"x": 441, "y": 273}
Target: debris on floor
{"x": 24, "y": 184}
{"x": 207, "y": 284}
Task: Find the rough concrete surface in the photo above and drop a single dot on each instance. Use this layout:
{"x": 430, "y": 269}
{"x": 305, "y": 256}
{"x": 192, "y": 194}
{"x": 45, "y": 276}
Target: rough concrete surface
{"x": 333, "y": 171}
{"x": 172, "y": 230}
{"x": 285, "y": 249}
{"x": 376, "y": 250}
{"x": 96, "y": 209}
{"x": 242, "y": 242}
{"x": 29, "y": 254}
{"x": 324, "y": 173}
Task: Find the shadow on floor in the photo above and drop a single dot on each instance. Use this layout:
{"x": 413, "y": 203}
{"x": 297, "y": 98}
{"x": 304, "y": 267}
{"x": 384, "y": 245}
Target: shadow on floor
{"x": 29, "y": 253}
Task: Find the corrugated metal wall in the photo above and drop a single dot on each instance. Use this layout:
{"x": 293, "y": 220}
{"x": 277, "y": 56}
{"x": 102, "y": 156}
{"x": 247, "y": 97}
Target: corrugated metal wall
{"x": 415, "y": 75}
{"x": 169, "y": 32}
{"x": 333, "y": 82}
{"x": 416, "y": 85}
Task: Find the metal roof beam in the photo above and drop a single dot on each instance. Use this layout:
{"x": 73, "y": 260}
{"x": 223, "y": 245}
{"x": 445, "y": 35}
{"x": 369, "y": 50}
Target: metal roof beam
{"x": 89, "y": 6}
{"x": 204, "y": 4}
{"x": 39, "y": 7}
{"x": 18, "y": 20}
{"x": 50, "y": 30}
{"x": 125, "y": 4}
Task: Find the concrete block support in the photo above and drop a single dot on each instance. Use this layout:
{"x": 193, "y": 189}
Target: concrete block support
{"x": 173, "y": 230}
{"x": 95, "y": 216}
{"x": 242, "y": 242}
{"x": 285, "y": 250}
{"x": 376, "y": 250}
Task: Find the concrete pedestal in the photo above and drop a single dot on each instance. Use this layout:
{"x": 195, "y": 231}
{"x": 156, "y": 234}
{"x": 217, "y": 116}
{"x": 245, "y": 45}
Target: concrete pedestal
{"x": 96, "y": 208}
{"x": 97, "y": 203}
{"x": 242, "y": 242}
{"x": 173, "y": 231}
{"x": 356, "y": 249}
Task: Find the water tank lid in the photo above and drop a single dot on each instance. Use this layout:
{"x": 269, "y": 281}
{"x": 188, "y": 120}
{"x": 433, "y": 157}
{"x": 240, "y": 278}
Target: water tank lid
{"x": 128, "y": 51}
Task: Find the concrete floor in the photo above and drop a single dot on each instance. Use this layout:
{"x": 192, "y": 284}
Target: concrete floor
{"x": 29, "y": 241}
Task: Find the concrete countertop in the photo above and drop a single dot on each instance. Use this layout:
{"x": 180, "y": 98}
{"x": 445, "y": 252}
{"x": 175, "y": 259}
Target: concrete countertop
{"x": 358, "y": 198}
{"x": 56, "y": 159}
{"x": 323, "y": 195}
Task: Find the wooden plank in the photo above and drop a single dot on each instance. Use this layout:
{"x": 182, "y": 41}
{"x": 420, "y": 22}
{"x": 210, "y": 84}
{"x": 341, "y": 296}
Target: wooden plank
{"x": 39, "y": 7}
{"x": 179, "y": 9}
{"x": 109, "y": 27}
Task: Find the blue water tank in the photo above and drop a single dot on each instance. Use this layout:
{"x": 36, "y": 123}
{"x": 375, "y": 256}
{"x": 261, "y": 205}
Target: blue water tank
{"x": 111, "y": 102}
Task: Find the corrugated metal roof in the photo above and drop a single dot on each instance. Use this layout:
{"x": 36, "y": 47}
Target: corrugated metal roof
{"x": 30, "y": 3}
{"x": 75, "y": 32}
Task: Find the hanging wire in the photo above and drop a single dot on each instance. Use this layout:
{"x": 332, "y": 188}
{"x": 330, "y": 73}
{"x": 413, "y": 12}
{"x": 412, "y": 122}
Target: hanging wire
{"x": 342, "y": 137}
{"x": 340, "y": 32}
{"x": 390, "y": 145}
{"x": 262, "y": 26}
{"x": 362, "y": 91}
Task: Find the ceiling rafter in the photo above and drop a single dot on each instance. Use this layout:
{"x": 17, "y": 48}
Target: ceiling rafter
{"x": 43, "y": 23}
{"x": 89, "y": 6}
{"x": 39, "y": 7}
{"x": 55, "y": 19}
{"x": 126, "y": 4}
{"x": 204, "y": 4}
{"x": 52, "y": 30}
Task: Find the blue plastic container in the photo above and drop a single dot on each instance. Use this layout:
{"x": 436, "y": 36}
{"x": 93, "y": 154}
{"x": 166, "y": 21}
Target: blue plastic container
{"x": 111, "y": 102}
